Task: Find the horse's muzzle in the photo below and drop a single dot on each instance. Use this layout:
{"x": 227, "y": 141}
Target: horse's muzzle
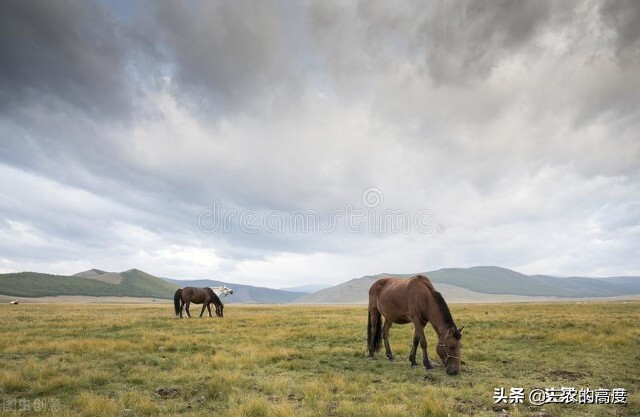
{"x": 452, "y": 371}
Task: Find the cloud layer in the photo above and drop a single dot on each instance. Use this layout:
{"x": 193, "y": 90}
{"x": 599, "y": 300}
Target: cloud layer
{"x": 515, "y": 124}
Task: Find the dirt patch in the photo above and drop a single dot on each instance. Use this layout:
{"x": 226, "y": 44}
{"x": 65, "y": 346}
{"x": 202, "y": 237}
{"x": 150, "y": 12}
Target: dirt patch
{"x": 166, "y": 393}
{"x": 294, "y": 397}
{"x": 501, "y": 408}
{"x": 565, "y": 375}
{"x": 332, "y": 408}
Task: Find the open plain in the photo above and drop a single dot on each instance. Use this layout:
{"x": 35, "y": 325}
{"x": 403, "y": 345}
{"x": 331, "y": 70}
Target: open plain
{"x": 106, "y": 360}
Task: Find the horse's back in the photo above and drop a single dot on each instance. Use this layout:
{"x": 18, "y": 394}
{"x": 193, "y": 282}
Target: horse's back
{"x": 397, "y": 298}
{"x": 399, "y": 285}
{"x": 419, "y": 283}
{"x": 388, "y": 296}
{"x": 194, "y": 295}
{"x": 377, "y": 286}
{"x": 187, "y": 291}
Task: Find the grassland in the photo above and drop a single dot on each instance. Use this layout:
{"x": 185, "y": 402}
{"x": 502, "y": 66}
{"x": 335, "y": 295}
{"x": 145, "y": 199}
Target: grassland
{"x": 306, "y": 361}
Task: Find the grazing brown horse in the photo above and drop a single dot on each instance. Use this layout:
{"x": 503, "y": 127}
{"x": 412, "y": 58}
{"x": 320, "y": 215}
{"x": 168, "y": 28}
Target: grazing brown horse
{"x": 205, "y": 296}
{"x": 413, "y": 300}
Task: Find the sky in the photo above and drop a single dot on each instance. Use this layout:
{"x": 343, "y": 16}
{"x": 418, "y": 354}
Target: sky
{"x": 286, "y": 143}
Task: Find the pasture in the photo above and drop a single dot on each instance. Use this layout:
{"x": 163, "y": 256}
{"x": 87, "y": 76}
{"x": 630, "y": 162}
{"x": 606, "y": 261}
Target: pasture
{"x": 130, "y": 360}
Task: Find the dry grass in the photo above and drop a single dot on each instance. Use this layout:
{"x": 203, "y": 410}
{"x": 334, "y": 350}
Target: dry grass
{"x": 106, "y": 360}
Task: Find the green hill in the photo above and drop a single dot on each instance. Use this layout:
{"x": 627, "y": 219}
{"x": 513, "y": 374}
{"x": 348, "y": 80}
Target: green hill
{"x": 492, "y": 280}
{"x": 133, "y": 283}
{"x": 139, "y": 282}
{"x": 496, "y": 280}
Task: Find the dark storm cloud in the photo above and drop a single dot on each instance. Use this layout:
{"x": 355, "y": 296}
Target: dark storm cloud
{"x": 455, "y": 42}
{"x": 63, "y": 51}
{"x": 225, "y": 55}
{"x": 623, "y": 16}
{"x": 463, "y": 41}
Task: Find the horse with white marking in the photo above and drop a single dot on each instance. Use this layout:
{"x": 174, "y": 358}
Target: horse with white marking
{"x": 205, "y": 296}
{"x": 222, "y": 290}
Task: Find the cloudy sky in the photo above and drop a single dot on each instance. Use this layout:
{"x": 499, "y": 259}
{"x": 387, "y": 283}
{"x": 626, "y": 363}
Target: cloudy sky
{"x": 282, "y": 143}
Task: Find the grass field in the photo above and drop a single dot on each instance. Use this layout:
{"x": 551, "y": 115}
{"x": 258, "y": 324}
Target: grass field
{"x": 307, "y": 361}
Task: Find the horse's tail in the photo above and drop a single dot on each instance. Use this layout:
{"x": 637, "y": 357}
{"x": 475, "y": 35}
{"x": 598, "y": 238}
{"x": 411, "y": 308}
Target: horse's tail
{"x": 376, "y": 339}
{"x": 176, "y": 300}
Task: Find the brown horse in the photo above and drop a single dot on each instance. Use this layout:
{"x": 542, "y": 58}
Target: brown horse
{"x": 413, "y": 300}
{"x": 185, "y": 296}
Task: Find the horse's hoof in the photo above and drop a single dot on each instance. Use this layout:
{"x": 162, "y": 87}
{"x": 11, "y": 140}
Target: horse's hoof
{"x": 414, "y": 365}
{"x": 391, "y": 358}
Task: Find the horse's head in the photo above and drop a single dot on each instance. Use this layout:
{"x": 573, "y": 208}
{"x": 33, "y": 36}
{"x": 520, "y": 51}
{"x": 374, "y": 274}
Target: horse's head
{"x": 449, "y": 350}
{"x": 220, "y": 311}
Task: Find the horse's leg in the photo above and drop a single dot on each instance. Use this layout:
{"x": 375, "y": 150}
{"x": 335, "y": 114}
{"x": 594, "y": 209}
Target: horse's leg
{"x": 385, "y": 336}
{"x": 414, "y": 346}
{"x": 186, "y": 308}
{"x": 209, "y": 308}
{"x": 419, "y": 338}
{"x": 181, "y": 307}
{"x": 423, "y": 346}
{"x": 204, "y": 305}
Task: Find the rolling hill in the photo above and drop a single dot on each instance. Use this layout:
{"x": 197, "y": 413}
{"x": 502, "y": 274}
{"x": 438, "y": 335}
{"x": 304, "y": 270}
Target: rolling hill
{"x": 476, "y": 284}
{"x": 110, "y": 277}
{"x": 487, "y": 283}
{"x": 496, "y": 280}
{"x": 131, "y": 283}
{"x": 243, "y": 293}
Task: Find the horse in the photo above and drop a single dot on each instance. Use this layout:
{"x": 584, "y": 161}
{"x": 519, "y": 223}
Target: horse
{"x": 13, "y": 303}
{"x": 416, "y": 301}
{"x": 222, "y": 290}
{"x": 205, "y": 296}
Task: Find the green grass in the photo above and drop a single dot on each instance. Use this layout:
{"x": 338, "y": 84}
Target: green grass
{"x": 105, "y": 360}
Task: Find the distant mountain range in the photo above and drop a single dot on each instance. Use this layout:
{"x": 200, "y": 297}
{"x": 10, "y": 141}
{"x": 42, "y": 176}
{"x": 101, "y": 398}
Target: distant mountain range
{"x": 307, "y": 289}
{"x": 487, "y": 284}
{"x": 131, "y": 283}
{"x": 243, "y": 293}
{"x": 476, "y": 284}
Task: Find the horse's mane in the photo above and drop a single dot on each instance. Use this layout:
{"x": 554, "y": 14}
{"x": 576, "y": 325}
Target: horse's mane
{"x": 444, "y": 308}
{"x": 214, "y": 296}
